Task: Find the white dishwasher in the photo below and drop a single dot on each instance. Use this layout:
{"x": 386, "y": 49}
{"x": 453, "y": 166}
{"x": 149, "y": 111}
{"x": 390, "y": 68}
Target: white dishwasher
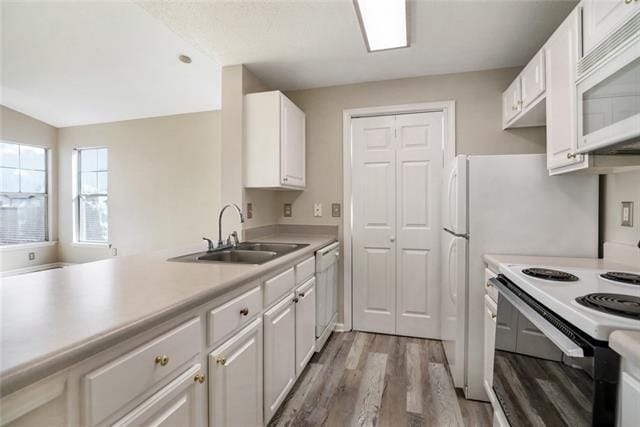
{"x": 326, "y": 292}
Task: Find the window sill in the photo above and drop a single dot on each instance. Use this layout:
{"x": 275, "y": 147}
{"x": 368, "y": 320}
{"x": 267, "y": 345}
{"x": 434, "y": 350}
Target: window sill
{"x": 91, "y": 245}
{"x": 22, "y": 246}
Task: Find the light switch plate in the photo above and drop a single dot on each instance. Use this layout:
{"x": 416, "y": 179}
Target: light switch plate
{"x": 627, "y": 214}
{"x": 317, "y": 209}
{"x": 287, "y": 210}
{"x": 249, "y": 210}
{"x": 335, "y": 210}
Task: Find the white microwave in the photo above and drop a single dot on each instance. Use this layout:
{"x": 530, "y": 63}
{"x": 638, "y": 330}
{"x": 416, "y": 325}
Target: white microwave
{"x": 608, "y": 94}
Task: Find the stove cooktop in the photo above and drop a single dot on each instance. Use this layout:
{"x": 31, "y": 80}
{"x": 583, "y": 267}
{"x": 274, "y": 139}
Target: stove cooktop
{"x": 562, "y": 297}
{"x": 616, "y": 304}
{"x": 622, "y": 277}
{"x": 548, "y": 274}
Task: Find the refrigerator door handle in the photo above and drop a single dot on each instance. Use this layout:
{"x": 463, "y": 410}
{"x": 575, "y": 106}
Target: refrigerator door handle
{"x": 464, "y": 236}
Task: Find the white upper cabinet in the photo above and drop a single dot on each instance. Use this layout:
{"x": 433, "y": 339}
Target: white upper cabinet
{"x": 562, "y": 51}
{"x": 532, "y": 81}
{"x": 522, "y": 104}
{"x": 274, "y": 135}
{"x": 601, "y": 17}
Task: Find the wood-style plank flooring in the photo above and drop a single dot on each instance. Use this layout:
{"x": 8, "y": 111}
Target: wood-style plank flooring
{"x": 362, "y": 379}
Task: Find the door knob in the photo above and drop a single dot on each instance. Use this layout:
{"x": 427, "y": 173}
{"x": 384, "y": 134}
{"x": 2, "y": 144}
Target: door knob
{"x": 392, "y": 239}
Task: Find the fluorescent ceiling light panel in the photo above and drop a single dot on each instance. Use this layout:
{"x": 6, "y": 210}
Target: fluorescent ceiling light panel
{"x": 384, "y": 23}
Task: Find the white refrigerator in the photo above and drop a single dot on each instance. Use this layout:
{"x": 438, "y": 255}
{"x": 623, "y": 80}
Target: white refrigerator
{"x": 502, "y": 205}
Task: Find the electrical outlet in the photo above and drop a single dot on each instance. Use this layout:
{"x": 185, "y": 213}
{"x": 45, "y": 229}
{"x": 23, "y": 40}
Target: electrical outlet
{"x": 335, "y": 210}
{"x": 627, "y": 214}
{"x": 287, "y": 210}
{"x": 113, "y": 251}
{"x": 317, "y": 209}
{"x": 32, "y": 256}
{"x": 249, "y": 210}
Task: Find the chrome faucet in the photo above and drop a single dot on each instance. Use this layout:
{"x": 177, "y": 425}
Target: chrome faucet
{"x": 220, "y": 241}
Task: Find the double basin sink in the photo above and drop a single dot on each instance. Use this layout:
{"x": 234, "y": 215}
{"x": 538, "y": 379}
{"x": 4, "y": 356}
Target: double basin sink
{"x": 244, "y": 253}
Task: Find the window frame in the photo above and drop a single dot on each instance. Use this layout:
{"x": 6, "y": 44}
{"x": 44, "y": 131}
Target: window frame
{"x": 78, "y": 195}
{"x": 46, "y": 194}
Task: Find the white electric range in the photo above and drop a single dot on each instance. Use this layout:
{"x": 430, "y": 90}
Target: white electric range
{"x": 556, "y": 367}
{"x": 560, "y": 296}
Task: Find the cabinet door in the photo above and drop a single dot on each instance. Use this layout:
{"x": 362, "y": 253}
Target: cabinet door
{"x": 179, "y": 404}
{"x": 235, "y": 369}
{"x": 279, "y": 354}
{"x": 511, "y": 102}
{"x": 305, "y": 324}
{"x": 292, "y": 144}
{"x": 489, "y": 340}
{"x": 602, "y": 17}
{"x": 532, "y": 81}
{"x": 561, "y": 54}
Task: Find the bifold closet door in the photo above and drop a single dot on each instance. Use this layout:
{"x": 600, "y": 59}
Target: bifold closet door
{"x": 396, "y": 166}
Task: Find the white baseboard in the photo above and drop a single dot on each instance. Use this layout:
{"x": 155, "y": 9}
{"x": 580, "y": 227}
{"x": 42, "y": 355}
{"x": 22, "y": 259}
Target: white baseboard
{"x": 339, "y": 328}
{"x": 34, "y": 268}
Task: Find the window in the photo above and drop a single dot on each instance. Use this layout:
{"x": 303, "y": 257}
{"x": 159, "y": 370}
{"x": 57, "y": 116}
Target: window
{"x": 23, "y": 194}
{"x": 92, "y": 194}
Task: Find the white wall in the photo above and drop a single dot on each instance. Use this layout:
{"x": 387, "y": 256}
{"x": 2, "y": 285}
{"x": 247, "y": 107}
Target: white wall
{"x": 164, "y": 182}
{"x": 618, "y": 188}
{"x": 17, "y": 127}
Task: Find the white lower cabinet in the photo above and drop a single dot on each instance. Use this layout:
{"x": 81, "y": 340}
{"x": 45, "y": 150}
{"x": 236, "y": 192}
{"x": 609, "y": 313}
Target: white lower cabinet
{"x": 235, "y": 385}
{"x": 629, "y": 398}
{"x": 179, "y": 404}
{"x": 305, "y": 324}
{"x": 279, "y": 354}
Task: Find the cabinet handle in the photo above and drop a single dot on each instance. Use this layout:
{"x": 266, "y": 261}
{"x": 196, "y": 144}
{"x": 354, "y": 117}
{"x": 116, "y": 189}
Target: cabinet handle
{"x": 200, "y": 378}
{"x": 301, "y": 294}
{"x": 571, "y": 155}
{"x": 221, "y": 360}
{"x": 295, "y": 300}
{"x": 244, "y": 311}
{"x": 488, "y": 285}
{"x": 493, "y": 316}
{"x": 519, "y": 101}
{"x": 285, "y": 179}
{"x": 628, "y": 1}
{"x": 514, "y": 108}
{"x": 162, "y": 360}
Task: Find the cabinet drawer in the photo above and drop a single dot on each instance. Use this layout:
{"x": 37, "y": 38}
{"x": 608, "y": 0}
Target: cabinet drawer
{"x": 117, "y": 383}
{"x": 305, "y": 270}
{"x": 234, "y": 314}
{"x": 489, "y": 288}
{"x": 277, "y": 286}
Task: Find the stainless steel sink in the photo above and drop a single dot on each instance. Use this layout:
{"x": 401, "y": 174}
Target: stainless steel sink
{"x": 239, "y": 256}
{"x": 245, "y": 253}
{"x": 280, "y": 248}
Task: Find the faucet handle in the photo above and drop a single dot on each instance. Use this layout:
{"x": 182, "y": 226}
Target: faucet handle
{"x": 210, "y": 244}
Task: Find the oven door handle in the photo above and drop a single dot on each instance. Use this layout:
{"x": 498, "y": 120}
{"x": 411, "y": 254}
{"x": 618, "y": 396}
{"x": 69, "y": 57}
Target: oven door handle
{"x": 563, "y": 342}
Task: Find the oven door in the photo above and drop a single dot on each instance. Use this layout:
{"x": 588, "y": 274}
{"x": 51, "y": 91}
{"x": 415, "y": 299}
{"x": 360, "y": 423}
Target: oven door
{"x": 543, "y": 372}
{"x": 609, "y": 105}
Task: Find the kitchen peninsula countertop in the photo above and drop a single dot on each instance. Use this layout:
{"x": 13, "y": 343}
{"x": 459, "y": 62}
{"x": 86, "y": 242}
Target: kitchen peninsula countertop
{"x": 55, "y": 318}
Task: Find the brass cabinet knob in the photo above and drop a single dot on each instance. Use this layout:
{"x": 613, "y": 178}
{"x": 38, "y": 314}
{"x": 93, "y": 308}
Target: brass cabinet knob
{"x": 244, "y": 311}
{"x": 162, "y": 360}
{"x": 200, "y": 378}
{"x": 301, "y": 294}
{"x": 295, "y": 300}
{"x": 520, "y": 102}
{"x": 628, "y": 1}
{"x": 493, "y": 316}
{"x": 221, "y": 360}
{"x": 571, "y": 155}
{"x": 488, "y": 285}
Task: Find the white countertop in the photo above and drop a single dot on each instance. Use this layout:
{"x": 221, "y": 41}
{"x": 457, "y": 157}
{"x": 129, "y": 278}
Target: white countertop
{"x": 627, "y": 345}
{"x": 52, "y": 319}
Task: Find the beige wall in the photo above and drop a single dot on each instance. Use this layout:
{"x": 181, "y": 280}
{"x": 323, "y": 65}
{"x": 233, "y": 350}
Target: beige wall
{"x": 478, "y": 97}
{"x": 164, "y": 182}
{"x": 618, "y": 188}
{"x": 238, "y": 81}
{"x": 17, "y": 127}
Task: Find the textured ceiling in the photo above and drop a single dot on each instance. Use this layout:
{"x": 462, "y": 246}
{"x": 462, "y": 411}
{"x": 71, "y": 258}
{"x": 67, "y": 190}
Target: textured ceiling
{"x": 309, "y": 43}
{"x": 74, "y": 63}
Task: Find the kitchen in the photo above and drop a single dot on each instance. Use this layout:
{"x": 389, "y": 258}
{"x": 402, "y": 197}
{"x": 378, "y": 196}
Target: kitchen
{"x": 219, "y": 213}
